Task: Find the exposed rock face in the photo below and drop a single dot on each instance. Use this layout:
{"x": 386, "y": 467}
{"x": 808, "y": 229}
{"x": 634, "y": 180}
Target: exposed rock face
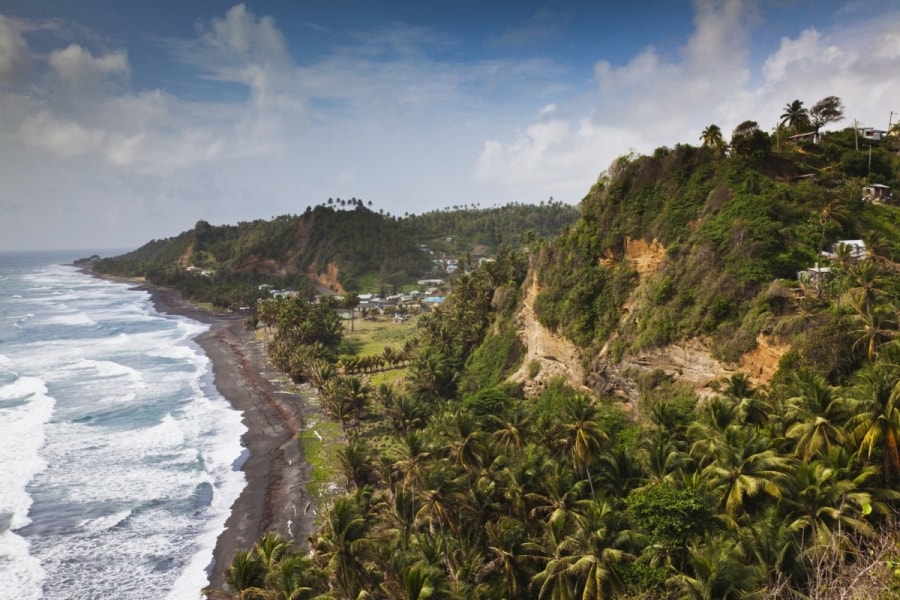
{"x": 328, "y": 278}
{"x": 554, "y": 354}
{"x": 689, "y": 362}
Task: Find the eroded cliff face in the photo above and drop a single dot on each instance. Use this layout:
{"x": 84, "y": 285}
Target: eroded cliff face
{"x": 689, "y": 362}
{"x": 549, "y": 355}
{"x": 328, "y": 279}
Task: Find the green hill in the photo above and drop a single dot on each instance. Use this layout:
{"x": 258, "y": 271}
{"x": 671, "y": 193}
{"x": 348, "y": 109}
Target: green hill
{"x": 341, "y": 246}
{"x": 459, "y": 484}
{"x": 736, "y": 229}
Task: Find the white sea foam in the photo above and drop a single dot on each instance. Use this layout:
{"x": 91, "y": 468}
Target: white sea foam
{"x": 76, "y": 318}
{"x": 132, "y": 478}
{"x": 21, "y": 436}
{"x": 105, "y": 522}
{"x": 22, "y": 574}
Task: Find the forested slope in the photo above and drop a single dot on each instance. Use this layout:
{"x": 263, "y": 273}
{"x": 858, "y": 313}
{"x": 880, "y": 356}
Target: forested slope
{"x": 343, "y": 245}
{"x": 459, "y": 485}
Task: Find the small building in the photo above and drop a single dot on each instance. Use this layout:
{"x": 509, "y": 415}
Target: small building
{"x": 871, "y": 134}
{"x": 809, "y": 136}
{"x": 877, "y": 192}
{"x": 856, "y": 248}
{"x": 815, "y": 276}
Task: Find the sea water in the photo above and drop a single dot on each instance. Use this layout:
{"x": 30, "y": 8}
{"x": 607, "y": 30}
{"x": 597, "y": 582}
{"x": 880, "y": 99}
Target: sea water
{"x": 119, "y": 460}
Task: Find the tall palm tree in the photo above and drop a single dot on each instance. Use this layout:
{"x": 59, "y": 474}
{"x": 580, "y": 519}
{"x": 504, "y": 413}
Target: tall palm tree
{"x": 875, "y": 424}
{"x": 660, "y": 456}
{"x": 343, "y": 546}
{"x": 815, "y": 415}
{"x": 583, "y": 436}
{"x": 720, "y": 571}
{"x": 823, "y": 501}
{"x": 875, "y": 325}
{"x": 743, "y": 467}
{"x": 600, "y": 549}
{"x": 509, "y": 557}
{"x": 834, "y": 212}
{"x": 795, "y": 116}
{"x": 712, "y": 137}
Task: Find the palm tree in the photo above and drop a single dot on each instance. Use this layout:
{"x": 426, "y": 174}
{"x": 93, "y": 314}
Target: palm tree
{"x": 246, "y": 574}
{"x": 720, "y": 570}
{"x": 744, "y": 466}
{"x": 876, "y": 325}
{"x": 509, "y": 557}
{"x": 583, "y": 437}
{"x": 600, "y": 548}
{"x": 815, "y": 415}
{"x": 558, "y": 496}
{"x": 795, "y": 116}
{"x": 343, "y": 546}
{"x": 512, "y": 428}
{"x": 355, "y": 459}
{"x": 712, "y": 138}
{"x": 867, "y": 281}
{"x": 660, "y": 456}
{"x": 834, "y": 212}
{"x": 824, "y": 501}
{"x": 875, "y": 424}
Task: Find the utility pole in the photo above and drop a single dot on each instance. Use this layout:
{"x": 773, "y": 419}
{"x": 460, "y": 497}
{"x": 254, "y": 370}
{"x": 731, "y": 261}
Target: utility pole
{"x": 856, "y": 134}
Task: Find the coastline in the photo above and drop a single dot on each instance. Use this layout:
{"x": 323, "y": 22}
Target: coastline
{"x": 274, "y": 498}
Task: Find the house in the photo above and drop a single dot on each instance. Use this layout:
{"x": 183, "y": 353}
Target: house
{"x": 877, "y": 192}
{"x": 871, "y": 134}
{"x": 809, "y": 136}
{"x": 856, "y": 248}
{"x": 815, "y": 276}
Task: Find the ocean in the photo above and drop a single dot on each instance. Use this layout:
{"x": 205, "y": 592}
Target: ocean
{"x": 119, "y": 460}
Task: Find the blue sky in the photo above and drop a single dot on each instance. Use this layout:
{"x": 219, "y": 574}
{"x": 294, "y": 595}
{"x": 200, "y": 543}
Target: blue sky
{"x": 126, "y": 121}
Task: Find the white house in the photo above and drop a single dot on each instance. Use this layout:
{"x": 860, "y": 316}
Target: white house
{"x": 857, "y": 249}
{"x": 871, "y": 134}
{"x": 809, "y": 136}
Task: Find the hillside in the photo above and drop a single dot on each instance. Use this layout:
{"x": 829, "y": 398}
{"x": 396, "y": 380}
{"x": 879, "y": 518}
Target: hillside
{"x": 722, "y": 240}
{"x": 338, "y": 247}
{"x": 649, "y": 405}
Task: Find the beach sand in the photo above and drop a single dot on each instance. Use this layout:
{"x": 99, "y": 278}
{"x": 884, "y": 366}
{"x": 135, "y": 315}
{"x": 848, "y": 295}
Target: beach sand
{"x": 275, "y": 497}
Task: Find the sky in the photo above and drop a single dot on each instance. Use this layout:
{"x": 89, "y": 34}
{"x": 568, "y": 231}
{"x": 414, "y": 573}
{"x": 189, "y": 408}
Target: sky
{"x": 124, "y": 121}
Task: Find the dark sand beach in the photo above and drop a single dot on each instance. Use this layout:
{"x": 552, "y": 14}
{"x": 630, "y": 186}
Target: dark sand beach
{"x": 274, "y": 498}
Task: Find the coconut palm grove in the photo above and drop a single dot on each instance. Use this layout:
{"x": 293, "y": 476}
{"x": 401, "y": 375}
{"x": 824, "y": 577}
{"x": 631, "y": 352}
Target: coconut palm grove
{"x": 623, "y": 475}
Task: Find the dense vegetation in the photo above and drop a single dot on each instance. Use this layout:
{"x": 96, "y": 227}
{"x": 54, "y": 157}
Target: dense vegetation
{"x": 460, "y": 486}
{"x": 731, "y": 225}
{"x": 225, "y": 265}
{"x": 459, "y": 230}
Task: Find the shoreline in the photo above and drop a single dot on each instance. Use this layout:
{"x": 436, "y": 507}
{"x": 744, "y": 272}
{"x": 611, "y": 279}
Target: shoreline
{"x": 274, "y": 497}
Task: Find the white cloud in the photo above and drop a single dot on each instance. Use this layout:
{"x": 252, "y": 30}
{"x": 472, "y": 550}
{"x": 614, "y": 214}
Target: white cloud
{"x": 60, "y": 137}
{"x": 79, "y": 68}
{"x": 654, "y": 99}
{"x": 649, "y": 101}
{"x": 242, "y": 35}
{"x": 808, "y": 52}
{"x": 15, "y": 58}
